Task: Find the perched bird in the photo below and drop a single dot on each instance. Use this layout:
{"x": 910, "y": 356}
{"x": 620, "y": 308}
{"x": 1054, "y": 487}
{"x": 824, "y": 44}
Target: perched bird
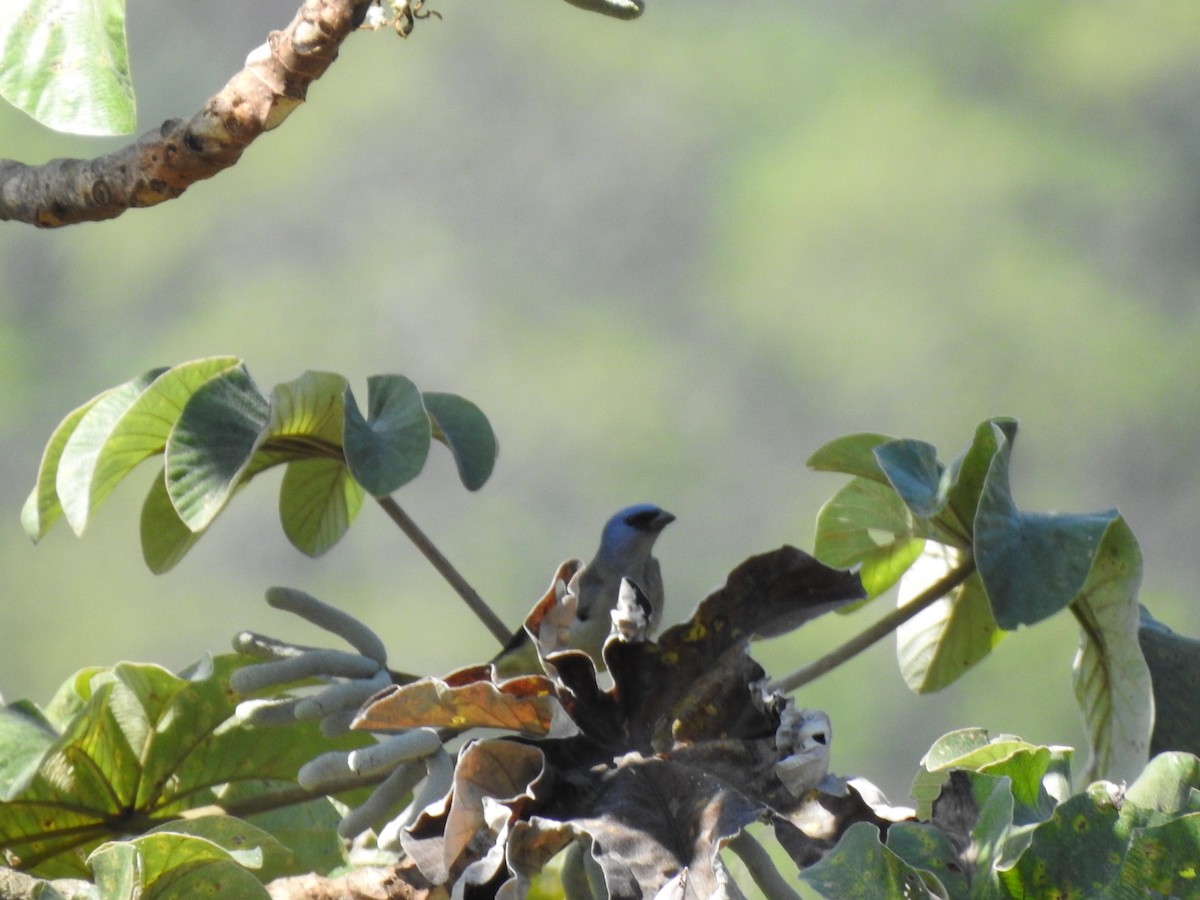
{"x": 625, "y": 552}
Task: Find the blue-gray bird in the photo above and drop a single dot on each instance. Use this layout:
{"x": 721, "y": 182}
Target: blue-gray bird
{"x": 625, "y": 552}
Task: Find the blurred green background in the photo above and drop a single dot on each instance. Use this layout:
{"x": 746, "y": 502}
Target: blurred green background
{"x": 669, "y": 259}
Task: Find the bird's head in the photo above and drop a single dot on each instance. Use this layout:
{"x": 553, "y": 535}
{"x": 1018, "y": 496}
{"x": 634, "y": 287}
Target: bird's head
{"x": 629, "y": 536}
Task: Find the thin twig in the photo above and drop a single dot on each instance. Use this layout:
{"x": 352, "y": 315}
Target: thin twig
{"x": 758, "y": 862}
{"x": 878, "y": 631}
{"x": 477, "y": 604}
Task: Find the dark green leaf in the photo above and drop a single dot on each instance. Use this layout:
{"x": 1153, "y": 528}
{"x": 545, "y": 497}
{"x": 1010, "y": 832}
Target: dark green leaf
{"x": 462, "y": 426}
{"x": 913, "y": 469}
{"x": 1032, "y": 564}
{"x": 1076, "y": 853}
{"x": 388, "y": 448}
{"x": 926, "y": 848}
{"x": 1174, "y": 661}
{"x": 212, "y": 444}
{"x": 861, "y": 868}
{"x": 67, "y": 65}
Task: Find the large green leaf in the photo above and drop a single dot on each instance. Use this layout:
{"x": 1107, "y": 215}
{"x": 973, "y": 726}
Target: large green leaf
{"x": 213, "y": 443}
{"x": 1174, "y": 661}
{"x": 65, "y": 63}
{"x": 77, "y": 465}
{"x": 388, "y": 448}
{"x": 945, "y": 639}
{"x": 462, "y": 426}
{"x": 1032, "y": 564}
{"x": 166, "y": 865}
{"x": 144, "y": 745}
{"x": 1112, "y": 680}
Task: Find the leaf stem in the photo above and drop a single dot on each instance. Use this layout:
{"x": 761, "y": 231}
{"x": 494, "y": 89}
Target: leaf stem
{"x": 477, "y": 604}
{"x": 878, "y": 631}
{"x": 758, "y": 862}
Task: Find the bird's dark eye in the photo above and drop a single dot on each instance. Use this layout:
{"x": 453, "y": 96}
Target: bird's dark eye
{"x": 641, "y": 519}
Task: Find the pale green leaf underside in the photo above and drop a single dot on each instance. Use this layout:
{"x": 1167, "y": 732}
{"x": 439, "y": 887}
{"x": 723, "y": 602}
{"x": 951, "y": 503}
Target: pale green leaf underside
{"x": 941, "y": 642}
{"x": 318, "y": 501}
{"x": 1112, "y": 680}
{"x": 66, "y": 64}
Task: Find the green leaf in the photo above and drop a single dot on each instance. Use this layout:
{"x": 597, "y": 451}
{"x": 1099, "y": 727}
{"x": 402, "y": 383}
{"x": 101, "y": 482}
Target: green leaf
{"x": 67, "y": 64}
{"x": 318, "y": 499}
{"x": 1111, "y": 678}
{"x": 166, "y": 865}
{"x": 136, "y": 432}
{"x": 1032, "y": 564}
{"x": 853, "y": 454}
{"x": 970, "y": 474}
{"x": 144, "y": 744}
{"x": 166, "y": 539}
{"x": 1174, "y": 662}
{"x": 212, "y": 444}
{"x": 317, "y": 502}
{"x": 77, "y": 465}
{"x": 1168, "y": 786}
{"x": 43, "y": 508}
{"x": 461, "y": 425}
{"x": 388, "y": 448}
{"x": 309, "y": 830}
{"x": 926, "y": 848}
{"x": 271, "y": 859}
{"x": 307, "y": 416}
{"x": 24, "y": 736}
{"x": 866, "y": 524}
{"x": 1161, "y": 862}
{"x": 973, "y": 750}
{"x": 1075, "y": 853}
{"x": 861, "y": 868}
{"x": 945, "y": 639}
{"x": 913, "y": 469}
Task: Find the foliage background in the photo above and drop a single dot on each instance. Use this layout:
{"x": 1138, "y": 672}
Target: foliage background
{"x": 669, "y": 259}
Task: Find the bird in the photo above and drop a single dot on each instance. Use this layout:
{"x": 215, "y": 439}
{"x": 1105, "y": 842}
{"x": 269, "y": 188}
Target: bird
{"x": 625, "y": 551}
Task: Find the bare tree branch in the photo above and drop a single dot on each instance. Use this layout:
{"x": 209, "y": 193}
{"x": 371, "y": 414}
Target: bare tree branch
{"x": 163, "y": 163}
